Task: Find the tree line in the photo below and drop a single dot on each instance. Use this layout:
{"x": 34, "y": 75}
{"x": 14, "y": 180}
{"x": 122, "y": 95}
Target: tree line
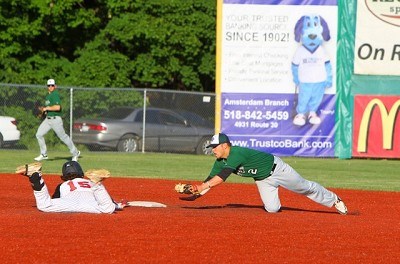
{"x": 167, "y": 44}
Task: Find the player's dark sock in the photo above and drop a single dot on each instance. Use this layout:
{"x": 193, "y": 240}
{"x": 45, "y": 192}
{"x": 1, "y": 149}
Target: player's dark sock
{"x": 36, "y": 181}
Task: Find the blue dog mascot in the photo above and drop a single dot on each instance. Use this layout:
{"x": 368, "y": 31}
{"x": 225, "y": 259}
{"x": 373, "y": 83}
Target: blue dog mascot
{"x": 311, "y": 67}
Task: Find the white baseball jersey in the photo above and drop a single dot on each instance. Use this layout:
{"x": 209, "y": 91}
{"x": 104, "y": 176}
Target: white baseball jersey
{"x": 311, "y": 64}
{"x": 77, "y": 195}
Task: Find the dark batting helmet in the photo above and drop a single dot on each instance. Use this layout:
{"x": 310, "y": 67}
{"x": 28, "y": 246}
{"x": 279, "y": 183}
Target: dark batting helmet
{"x": 71, "y": 170}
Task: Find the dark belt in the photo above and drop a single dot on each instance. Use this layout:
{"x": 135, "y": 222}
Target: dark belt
{"x": 272, "y": 169}
{"x": 51, "y": 117}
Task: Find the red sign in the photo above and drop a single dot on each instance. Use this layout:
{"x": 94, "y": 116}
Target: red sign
{"x": 376, "y": 126}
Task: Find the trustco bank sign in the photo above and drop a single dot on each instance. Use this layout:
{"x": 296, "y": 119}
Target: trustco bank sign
{"x": 386, "y": 10}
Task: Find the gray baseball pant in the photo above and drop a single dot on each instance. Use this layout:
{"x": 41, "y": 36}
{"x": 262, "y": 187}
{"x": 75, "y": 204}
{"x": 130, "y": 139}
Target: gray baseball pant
{"x": 56, "y": 124}
{"x": 284, "y": 175}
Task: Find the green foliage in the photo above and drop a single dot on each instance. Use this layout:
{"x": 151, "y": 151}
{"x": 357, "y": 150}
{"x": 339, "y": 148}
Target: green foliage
{"x": 109, "y": 43}
{"x": 42, "y": 66}
{"x": 100, "y": 69}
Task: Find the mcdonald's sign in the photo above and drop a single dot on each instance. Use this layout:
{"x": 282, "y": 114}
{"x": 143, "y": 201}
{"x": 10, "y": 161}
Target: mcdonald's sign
{"x": 376, "y": 126}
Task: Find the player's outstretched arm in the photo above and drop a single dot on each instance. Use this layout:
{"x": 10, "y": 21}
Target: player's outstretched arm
{"x": 196, "y": 191}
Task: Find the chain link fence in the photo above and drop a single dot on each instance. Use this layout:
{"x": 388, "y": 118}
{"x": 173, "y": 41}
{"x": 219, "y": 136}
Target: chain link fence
{"x": 115, "y": 119}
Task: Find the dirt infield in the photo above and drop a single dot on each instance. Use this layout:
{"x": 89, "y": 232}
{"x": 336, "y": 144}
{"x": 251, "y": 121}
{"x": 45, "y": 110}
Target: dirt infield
{"x": 228, "y": 225}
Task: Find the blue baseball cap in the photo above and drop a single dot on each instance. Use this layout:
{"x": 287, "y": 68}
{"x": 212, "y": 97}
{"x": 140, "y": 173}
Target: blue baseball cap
{"x": 218, "y": 139}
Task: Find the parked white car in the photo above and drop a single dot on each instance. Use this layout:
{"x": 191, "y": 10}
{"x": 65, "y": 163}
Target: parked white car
{"x": 9, "y": 133}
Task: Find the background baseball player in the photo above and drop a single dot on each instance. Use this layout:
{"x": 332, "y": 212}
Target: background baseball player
{"x": 268, "y": 171}
{"x": 75, "y": 194}
{"x": 53, "y": 121}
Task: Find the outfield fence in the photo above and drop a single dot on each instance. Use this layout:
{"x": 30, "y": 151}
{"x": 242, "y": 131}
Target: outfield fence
{"x": 20, "y": 102}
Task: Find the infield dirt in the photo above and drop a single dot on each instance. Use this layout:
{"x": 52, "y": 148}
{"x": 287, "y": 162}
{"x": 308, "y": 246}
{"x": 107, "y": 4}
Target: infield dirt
{"x": 227, "y": 225}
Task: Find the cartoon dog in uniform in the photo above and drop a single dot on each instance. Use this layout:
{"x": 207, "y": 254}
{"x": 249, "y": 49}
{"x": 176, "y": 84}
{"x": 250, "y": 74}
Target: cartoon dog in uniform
{"x": 311, "y": 67}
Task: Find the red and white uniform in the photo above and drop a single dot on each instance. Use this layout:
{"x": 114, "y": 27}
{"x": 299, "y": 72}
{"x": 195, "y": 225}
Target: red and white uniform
{"x": 77, "y": 195}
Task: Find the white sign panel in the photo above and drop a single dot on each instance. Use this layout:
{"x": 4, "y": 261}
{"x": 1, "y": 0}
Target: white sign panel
{"x": 377, "y": 44}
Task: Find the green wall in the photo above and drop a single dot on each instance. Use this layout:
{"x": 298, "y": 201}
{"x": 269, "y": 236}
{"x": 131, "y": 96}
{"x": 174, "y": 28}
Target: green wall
{"x": 349, "y": 84}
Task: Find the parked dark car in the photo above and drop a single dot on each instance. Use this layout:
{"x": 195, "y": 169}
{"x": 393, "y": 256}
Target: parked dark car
{"x": 122, "y": 129}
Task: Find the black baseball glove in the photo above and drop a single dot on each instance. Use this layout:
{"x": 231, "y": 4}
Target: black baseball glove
{"x": 39, "y": 113}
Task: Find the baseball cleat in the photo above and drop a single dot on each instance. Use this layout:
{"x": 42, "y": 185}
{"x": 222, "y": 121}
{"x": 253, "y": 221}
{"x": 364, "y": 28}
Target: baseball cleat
{"x": 41, "y": 157}
{"x": 340, "y": 206}
{"x": 75, "y": 157}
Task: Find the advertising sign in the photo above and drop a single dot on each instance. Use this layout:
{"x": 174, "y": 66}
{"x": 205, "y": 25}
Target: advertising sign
{"x": 377, "y": 45}
{"x": 376, "y": 126}
{"x": 276, "y": 75}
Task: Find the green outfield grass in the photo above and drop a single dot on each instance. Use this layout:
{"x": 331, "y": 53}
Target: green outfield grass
{"x": 366, "y": 174}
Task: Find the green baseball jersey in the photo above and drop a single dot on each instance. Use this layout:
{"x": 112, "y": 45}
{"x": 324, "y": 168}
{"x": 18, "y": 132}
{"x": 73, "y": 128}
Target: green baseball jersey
{"x": 246, "y": 163}
{"x": 53, "y": 98}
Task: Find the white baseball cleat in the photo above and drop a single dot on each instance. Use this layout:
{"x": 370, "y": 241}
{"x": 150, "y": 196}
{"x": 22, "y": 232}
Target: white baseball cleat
{"x": 75, "y": 157}
{"x": 340, "y": 206}
{"x": 41, "y": 157}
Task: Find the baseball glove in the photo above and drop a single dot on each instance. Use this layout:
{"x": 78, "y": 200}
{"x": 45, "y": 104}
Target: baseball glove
{"x": 97, "y": 176}
{"x": 186, "y": 188}
{"x": 29, "y": 169}
{"x": 42, "y": 114}
{"x": 39, "y": 113}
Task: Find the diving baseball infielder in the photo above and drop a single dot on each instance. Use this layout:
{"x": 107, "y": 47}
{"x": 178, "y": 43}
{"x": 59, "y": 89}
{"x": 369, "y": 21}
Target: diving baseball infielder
{"x": 75, "y": 194}
{"x": 268, "y": 171}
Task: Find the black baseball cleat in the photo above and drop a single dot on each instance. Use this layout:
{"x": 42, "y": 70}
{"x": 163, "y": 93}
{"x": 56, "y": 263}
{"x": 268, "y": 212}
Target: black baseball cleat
{"x": 36, "y": 180}
{"x": 340, "y": 206}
